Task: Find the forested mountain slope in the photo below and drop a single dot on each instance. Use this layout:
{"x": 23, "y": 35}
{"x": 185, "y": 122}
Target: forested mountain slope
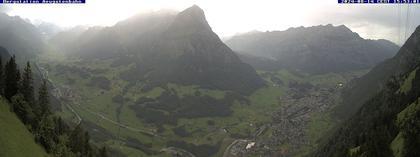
{"x": 387, "y": 124}
{"x": 363, "y": 88}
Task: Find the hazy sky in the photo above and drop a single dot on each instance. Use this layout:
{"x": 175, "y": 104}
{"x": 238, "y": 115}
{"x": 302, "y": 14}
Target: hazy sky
{"x": 228, "y": 17}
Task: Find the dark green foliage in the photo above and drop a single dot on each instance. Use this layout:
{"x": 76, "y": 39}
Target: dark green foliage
{"x": 276, "y": 80}
{"x": 211, "y": 74}
{"x": 371, "y": 128}
{"x": 63, "y": 69}
{"x": 410, "y": 128}
{"x": 135, "y": 73}
{"x": 27, "y": 88}
{"x": 45, "y": 133}
{"x": 61, "y": 127}
{"x": 211, "y": 123}
{"x": 1, "y": 76}
{"x": 71, "y": 81}
{"x": 118, "y": 99}
{"x": 43, "y": 99}
{"x": 168, "y": 107}
{"x": 180, "y": 131}
{"x": 375, "y": 125}
{"x": 57, "y": 138}
{"x": 144, "y": 147}
{"x": 196, "y": 70}
{"x": 22, "y": 109}
{"x": 144, "y": 100}
{"x": 100, "y": 135}
{"x": 12, "y": 78}
{"x": 103, "y": 152}
{"x": 100, "y": 82}
{"x": 198, "y": 150}
{"x": 80, "y": 142}
{"x": 153, "y": 116}
{"x": 116, "y": 153}
{"x": 61, "y": 149}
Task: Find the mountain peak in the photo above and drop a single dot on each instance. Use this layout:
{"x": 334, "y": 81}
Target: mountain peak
{"x": 191, "y": 20}
{"x": 193, "y": 12}
{"x": 195, "y": 8}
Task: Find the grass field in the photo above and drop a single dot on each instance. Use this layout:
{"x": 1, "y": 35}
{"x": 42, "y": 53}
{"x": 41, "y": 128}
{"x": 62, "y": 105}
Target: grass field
{"x": 15, "y": 139}
{"x": 397, "y": 145}
{"x": 242, "y": 122}
{"x": 406, "y": 86}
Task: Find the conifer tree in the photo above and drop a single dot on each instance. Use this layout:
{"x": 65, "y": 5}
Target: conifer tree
{"x": 22, "y": 109}
{"x": 77, "y": 139}
{"x": 60, "y": 148}
{"x": 43, "y": 99}
{"x": 12, "y": 77}
{"x": 45, "y": 133}
{"x": 1, "y": 77}
{"x": 103, "y": 152}
{"x": 27, "y": 88}
{"x": 87, "y": 148}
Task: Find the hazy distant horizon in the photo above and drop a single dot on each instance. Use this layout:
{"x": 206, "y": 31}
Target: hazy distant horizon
{"x": 236, "y": 17}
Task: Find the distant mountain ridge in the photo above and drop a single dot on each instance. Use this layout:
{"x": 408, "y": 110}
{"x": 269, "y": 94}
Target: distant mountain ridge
{"x": 317, "y": 49}
{"x": 20, "y": 37}
{"x": 179, "y": 48}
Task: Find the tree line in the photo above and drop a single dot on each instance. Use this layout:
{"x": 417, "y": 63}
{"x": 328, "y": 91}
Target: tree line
{"x": 50, "y": 131}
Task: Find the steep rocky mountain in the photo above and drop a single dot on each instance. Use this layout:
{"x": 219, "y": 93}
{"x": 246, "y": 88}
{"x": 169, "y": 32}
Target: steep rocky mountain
{"x": 20, "y": 37}
{"x": 387, "y": 122}
{"x": 317, "y": 49}
{"x": 167, "y": 47}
